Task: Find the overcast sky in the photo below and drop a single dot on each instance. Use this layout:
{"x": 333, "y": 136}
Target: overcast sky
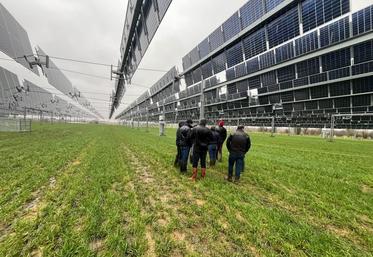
{"x": 92, "y": 29}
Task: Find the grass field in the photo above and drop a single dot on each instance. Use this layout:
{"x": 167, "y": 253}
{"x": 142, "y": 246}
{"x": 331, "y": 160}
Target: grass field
{"x": 89, "y": 190}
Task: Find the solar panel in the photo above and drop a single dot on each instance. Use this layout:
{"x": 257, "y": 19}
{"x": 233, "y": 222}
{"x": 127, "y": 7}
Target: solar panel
{"x": 231, "y": 27}
{"x": 251, "y": 12}
{"x": 204, "y": 48}
{"x": 283, "y": 28}
{"x": 234, "y": 55}
{"x": 254, "y": 43}
{"x": 285, "y": 52}
{"x": 318, "y": 12}
{"x": 216, "y": 38}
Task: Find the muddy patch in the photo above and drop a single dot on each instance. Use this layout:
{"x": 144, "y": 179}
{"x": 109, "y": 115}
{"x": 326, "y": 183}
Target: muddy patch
{"x": 151, "y": 243}
{"x": 97, "y": 245}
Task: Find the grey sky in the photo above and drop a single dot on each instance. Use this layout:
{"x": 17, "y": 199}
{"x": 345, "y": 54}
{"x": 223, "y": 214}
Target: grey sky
{"x": 91, "y": 30}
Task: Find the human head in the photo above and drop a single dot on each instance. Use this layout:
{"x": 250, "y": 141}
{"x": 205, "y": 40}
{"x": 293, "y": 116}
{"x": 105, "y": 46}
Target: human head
{"x": 240, "y": 127}
{"x": 221, "y": 123}
{"x": 189, "y": 122}
{"x": 213, "y": 128}
{"x": 181, "y": 123}
{"x": 203, "y": 122}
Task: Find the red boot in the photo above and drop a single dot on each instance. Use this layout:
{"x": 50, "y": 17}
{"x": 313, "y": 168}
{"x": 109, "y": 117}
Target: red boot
{"x": 203, "y": 172}
{"x": 194, "y": 176}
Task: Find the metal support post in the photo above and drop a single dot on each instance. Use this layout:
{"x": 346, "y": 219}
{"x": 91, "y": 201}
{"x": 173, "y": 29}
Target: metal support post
{"x": 332, "y": 128}
{"x": 202, "y": 108}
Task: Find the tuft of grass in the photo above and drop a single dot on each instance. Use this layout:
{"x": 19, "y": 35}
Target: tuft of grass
{"x": 90, "y": 190}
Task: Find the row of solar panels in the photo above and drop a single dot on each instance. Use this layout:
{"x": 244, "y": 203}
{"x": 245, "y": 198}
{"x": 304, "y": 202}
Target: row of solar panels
{"x": 14, "y": 40}
{"x": 15, "y": 43}
{"x": 151, "y": 15}
{"x": 314, "y": 13}
{"x": 166, "y": 86}
{"x": 19, "y": 97}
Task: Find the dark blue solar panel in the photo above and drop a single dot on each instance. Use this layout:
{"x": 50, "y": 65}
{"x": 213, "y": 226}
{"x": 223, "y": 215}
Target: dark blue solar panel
{"x": 363, "y": 85}
{"x": 197, "y": 75}
{"x": 268, "y": 78}
{"x": 267, "y": 60}
{"x": 340, "y": 73}
{"x": 362, "y": 21}
{"x": 254, "y": 82}
{"x": 216, "y": 39}
{"x": 318, "y": 12}
{"x": 251, "y": 12}
{"x": 219, "y": 63}
{"x": 363, "y": 52}
{"x": 241, "y": 70}
{"x": 306, "y": 43}
{"x": 255, "y": 44}
{"x": 336, "y": 59}
{"x": 335, "y": 32}
{"x": 231, "y": 74}
{"x": 285, "y": 74}
{"x": 235, "y": 55}
{"x": 204, "y": 48}
{"x": 285, "y": 52}
{"x": 207, "y": 70}
{"x": 186, "y": 62}
{"x": 231, "y": 27}
{"x": 194, "y": 55}
{"x": 252, "y": 65}
{"x": 308, "y": 67}
{"x": 271, "y": 4}
{"x": 283, "y": 28}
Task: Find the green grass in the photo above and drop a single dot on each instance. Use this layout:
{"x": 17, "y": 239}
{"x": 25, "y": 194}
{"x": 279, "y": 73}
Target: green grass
{"x": 90, "y": 190}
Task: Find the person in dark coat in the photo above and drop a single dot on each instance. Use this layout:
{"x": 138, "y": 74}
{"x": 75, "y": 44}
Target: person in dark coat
{"x": 222, "y": 136}
{"x": 185, "y": 145}
{"x": 238, "y": 145}
{"x": 178, "y": 138}
{"x": 213, "y": 145}
{"x": 201, "y": 137}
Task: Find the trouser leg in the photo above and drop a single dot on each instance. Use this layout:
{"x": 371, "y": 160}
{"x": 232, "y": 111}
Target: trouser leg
{"x": 239, "y": 166}
{"x": 184, "y": 159}
{"x": 177, "y": 158}
{"x": 231, "y": 161}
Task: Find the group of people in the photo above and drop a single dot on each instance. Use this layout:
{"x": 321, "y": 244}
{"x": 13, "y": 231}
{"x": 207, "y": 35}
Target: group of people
{"x": 195, "y": 142}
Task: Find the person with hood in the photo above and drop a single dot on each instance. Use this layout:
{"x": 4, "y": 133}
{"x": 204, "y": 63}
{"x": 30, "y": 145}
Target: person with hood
{"x": 178, "y": 139}
{"x": 222, "y": 136}
{"x": 238, "y": 145}
{"x": 201, "y": 137}
{"x": 213, "y": 146}
{"x": 185, "y": 145}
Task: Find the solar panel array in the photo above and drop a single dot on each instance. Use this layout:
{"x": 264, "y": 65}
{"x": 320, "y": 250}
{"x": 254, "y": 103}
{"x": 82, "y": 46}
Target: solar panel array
{"x": 277, "y": 60}
{"x": 142, "y": 21}
{"x": 20, "y": 97}
{"x": 16, "y": 96}
{"x": 14, "y": 40}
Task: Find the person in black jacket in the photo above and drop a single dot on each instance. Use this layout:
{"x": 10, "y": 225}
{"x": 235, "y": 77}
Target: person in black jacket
{"x": 222, "y": 136}
{"x": 185, "y": 145}
{"x": 238, "y": 145}
{"x": 213, "y": 145}
{"x": 178, "y": 139}
{"x": 200, "y": 136}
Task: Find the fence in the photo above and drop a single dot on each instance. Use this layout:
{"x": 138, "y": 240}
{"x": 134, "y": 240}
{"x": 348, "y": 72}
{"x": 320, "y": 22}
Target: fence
{"x": 15, "y": 125}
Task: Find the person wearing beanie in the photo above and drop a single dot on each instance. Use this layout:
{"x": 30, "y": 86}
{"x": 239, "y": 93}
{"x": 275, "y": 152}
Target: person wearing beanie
{"x": 222, "y": 136}
{"x": 200, "y": 136}
{"x": 238, "y": 145}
